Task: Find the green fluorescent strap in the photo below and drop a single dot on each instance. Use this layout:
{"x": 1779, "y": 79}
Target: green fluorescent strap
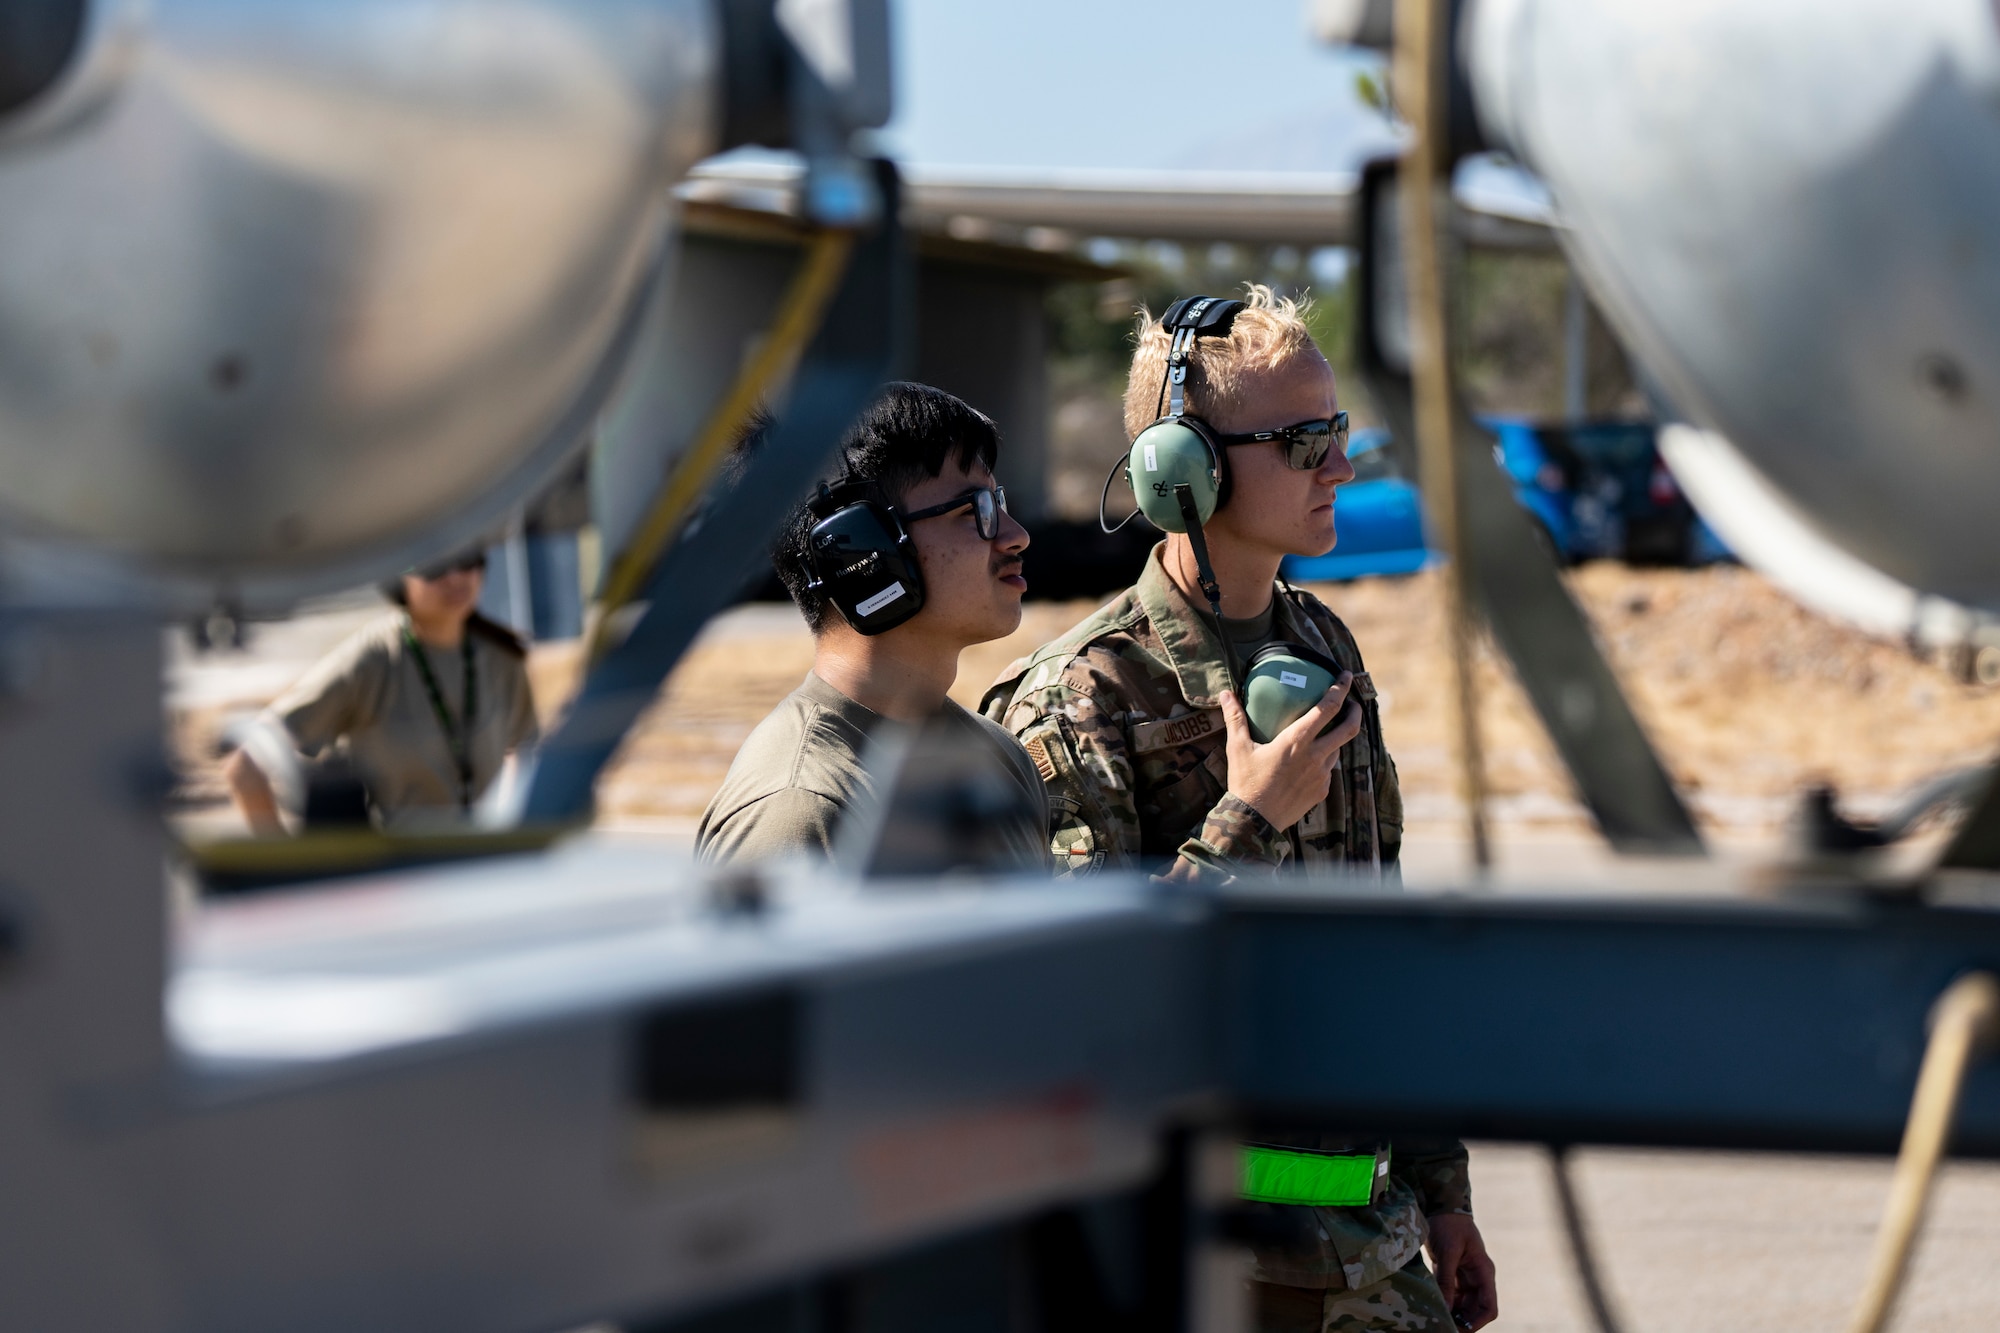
{"x": 1281, "y": 1175}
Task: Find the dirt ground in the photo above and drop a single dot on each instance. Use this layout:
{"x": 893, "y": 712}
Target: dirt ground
{"x": 1747, "y": 695}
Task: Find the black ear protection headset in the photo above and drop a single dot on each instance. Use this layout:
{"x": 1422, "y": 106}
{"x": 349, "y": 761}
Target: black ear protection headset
{"x": 860, "y": 557}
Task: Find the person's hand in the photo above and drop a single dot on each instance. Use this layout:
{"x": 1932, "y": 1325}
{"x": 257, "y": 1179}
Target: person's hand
{"x": 1464, "y": 1270}
{"x": 1291, "y": 775}
{"x": 252, "y": 792}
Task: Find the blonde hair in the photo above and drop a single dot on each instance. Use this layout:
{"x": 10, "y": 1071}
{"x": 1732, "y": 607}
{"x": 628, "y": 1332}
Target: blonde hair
{"x": 1268, "y": 333}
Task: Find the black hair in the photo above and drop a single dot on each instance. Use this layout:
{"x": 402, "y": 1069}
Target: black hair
{"x": 905, "y": 437}
{"x": 748, "y": 441}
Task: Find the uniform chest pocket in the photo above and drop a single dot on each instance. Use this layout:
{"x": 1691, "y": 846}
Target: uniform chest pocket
{"x": 1177, "y": 789}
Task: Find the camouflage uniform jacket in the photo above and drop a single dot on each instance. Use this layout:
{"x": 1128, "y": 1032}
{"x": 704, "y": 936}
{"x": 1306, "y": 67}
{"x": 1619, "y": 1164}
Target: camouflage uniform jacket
{"x": 1122, "y": 718}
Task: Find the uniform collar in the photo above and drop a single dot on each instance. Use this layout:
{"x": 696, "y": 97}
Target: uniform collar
{"x": 1189, "y": 638}
{"x": 827, "y": 696}
{"x": 1187, "y": 634}
{"x": 1297, "y": 627}
{"x": 857, "y": 715}
{"x": 406, "y": 629}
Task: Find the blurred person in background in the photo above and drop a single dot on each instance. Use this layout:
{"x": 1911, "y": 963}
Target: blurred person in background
{"x": 923, "y": 461}
{"x": 422, "y": 708}
{"x": 1149, "y": 759}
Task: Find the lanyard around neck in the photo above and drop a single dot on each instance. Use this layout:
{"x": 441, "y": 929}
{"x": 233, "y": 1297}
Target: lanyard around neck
{"x": 457, "y": 735}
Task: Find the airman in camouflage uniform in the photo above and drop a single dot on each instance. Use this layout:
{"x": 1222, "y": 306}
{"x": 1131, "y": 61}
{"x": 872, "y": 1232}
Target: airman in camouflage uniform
{"x": 1122, "y": 718}
{"x": 1358, "y": 1270}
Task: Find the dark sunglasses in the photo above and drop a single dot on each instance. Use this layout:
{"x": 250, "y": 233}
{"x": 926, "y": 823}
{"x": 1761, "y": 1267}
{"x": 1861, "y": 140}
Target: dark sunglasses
{"x": 1306, "y": 444}
{"x": 988, "y": 503}
{"x": 456, "y": 565}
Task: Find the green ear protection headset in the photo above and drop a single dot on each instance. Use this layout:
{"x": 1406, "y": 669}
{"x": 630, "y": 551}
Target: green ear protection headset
{"x": 1284, "y": 682}
{"x": 1177, "y": 467}
{"x": 1178, "y": 449}
{"x": 1285, "y": 679}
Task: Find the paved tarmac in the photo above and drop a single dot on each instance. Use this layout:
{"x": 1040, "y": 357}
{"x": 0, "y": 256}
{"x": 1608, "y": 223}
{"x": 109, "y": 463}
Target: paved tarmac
{"x": 1717, "y": 1242}
{"x": 1722, "y": 1242}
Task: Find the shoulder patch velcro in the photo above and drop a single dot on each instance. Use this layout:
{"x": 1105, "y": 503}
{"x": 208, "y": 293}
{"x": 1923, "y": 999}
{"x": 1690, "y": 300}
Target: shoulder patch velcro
{"x": 1170, "y": 732}
{"x": 1038, "y": 751}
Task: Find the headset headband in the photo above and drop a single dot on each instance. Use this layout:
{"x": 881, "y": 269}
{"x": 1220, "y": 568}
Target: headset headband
{"x": 1208, "y": 316}
{"x": 1187, "y": 319}
{"x": 830, "y": 498}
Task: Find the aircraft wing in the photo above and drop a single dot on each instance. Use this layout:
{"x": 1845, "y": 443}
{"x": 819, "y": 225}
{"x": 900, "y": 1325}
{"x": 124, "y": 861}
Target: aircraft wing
{"x": 1053, "y": 208}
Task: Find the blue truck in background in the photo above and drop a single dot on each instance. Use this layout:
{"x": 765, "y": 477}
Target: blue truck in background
{"x": 1595, "y": 490}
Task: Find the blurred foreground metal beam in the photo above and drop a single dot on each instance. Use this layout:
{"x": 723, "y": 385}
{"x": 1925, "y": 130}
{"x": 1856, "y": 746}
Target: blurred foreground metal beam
{"x": 535, "y": 1094}
{"x": 1731, "y": 1023}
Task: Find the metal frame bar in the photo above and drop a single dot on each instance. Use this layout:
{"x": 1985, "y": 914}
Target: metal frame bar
{"x": 950, "y": 1062}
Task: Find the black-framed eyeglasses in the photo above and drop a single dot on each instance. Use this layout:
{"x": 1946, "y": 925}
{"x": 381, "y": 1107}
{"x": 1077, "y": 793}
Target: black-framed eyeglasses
{"x": 988, "y": 503}
{"x": 1306, "y": 444}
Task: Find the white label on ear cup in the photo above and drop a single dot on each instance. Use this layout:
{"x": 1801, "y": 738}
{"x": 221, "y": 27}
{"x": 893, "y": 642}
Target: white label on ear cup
{"x": 890, "y": 594}
{"x": 1292, "y": 678}
{"x": 1152, "y": 459}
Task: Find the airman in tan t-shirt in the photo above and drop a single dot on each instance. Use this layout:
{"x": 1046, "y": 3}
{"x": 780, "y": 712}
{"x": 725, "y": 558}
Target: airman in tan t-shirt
{"x": 368, "y": 700}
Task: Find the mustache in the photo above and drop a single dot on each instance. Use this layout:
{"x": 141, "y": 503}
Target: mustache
{"x": 1003, "y": 565}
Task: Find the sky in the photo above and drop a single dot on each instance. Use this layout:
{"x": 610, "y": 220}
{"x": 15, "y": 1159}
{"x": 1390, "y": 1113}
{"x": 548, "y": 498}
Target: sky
{"x": 1215, "y": 84}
